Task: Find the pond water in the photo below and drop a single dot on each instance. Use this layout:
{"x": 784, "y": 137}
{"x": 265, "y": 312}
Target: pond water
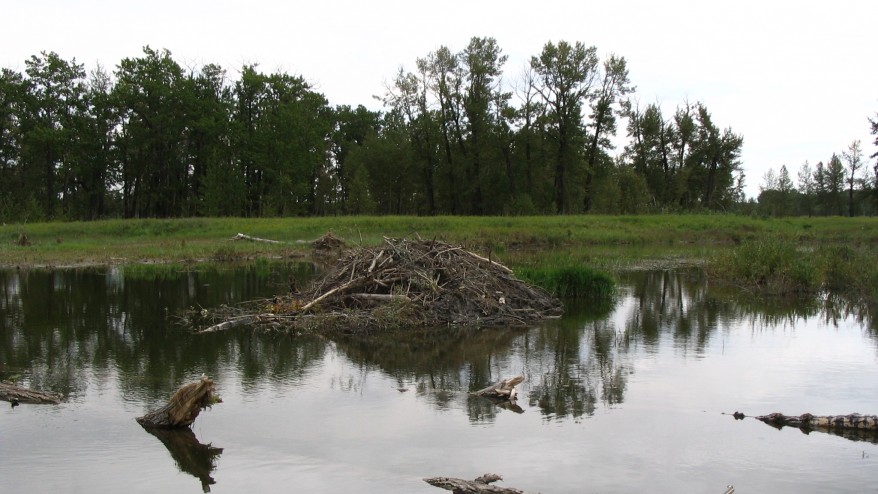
{"x": 621, "y": 396}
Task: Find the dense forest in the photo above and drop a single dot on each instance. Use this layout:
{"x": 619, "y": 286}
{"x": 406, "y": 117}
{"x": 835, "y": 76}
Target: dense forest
{"x": 157, "y": 139}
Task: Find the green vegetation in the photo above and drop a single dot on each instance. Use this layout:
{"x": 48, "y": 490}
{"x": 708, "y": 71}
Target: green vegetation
{"x": 456, "y": 136}
{"x": 570, "y": 281}
{"x": 557, "y": 252}
{"x": 783, "y": 266}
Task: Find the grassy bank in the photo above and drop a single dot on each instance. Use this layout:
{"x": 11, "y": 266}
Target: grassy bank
{"x": 565, "y": 254}
{"x": 595, "y": 240}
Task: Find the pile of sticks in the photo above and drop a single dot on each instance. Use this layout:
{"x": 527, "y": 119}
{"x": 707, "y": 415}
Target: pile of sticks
{"x": 445, "y": 284}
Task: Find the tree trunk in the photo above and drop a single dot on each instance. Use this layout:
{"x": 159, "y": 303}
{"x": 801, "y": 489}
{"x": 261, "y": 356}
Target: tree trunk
{"x": 184, "y": 406}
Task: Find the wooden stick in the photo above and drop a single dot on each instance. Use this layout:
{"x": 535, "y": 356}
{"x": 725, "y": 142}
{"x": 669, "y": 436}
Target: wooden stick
{"x": 241, "y": 236}
{"x": 335, "y": 290}
{"x": 484, "y": 259}
{"x": 237, "y": 321}
{"x": 381, "y": 297}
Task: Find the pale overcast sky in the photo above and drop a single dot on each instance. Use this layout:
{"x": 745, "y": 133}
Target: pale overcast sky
{"x": 797, "y": 79}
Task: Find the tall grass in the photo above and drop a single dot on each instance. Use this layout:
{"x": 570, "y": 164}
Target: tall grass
{"x": 786, "y": 266}
{"x": 600, "y": 239}
{"x": 570, "y": 281}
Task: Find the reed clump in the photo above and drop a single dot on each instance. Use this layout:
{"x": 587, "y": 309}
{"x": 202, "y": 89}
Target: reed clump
{"x": 570, "y": 281}
{"x": 785, "y": 267}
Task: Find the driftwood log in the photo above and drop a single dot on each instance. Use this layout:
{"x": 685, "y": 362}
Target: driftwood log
{"x": 241, "y": 236}
{"x": 184, "y": 406}
{"x": 855, "y": 427}
{"x": 16, "y": 394}
{"x": 854, "y": 421}
{"x": 481, "y": 485}
{"x": 503, "y": 390}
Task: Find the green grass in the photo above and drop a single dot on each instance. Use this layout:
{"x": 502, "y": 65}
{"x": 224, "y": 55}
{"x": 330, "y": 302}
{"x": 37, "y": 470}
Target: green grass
{"x": 570, "y": 281}
{"x": 784, "y": 266}
{"x": 564, "y": 254}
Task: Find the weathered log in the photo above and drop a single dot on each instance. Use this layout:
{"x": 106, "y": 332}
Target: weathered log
{"x": 237, "y": 321}
{"x": 16, "y": 394}
{"x": 190, "y": 455}
{"x": 503, "y": 390}
{"x": 854, "y": 427}
{"x": 184, "y": 406}
{"x": 481, "y": 485}
{"x": 854, "y": 421}
{"x": 241, "y": 236}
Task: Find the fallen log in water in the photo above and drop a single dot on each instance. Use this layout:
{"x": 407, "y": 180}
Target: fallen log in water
{"x": 481, "y": 485}
{"x": 854, "y": 427}
{"x": 184, "y": 406}
{"x": 16, "y": 394}
{"x": 503, "y": 390}
{"x": 854, "y": 421}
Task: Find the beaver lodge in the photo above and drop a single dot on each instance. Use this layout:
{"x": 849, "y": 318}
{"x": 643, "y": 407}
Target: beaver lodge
{"x": 400, "y": 283}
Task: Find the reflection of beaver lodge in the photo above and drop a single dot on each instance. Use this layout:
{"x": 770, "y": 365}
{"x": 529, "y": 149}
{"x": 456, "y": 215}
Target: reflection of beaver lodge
{"x": 403, "y": 283}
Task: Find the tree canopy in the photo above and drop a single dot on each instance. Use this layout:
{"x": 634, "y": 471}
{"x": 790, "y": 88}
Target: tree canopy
{"x": 152, "y": 138}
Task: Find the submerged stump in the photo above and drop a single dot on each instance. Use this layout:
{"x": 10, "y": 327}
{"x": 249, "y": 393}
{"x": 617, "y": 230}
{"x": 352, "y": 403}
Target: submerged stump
{"x": 184, "y": 406}
{"x": 503, "y": 390}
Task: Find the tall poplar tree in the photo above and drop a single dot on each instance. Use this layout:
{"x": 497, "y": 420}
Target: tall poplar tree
{"x": 565, "y": 74}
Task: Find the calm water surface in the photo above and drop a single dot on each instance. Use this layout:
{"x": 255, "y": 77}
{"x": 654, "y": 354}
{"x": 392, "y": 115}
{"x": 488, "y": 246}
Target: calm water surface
{"x": 626, "y": 396}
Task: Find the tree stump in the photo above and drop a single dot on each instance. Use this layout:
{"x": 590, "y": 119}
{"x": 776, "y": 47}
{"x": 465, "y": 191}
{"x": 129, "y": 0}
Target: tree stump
{"x": 184, "y": 406}
{"x": 503, "y": 390}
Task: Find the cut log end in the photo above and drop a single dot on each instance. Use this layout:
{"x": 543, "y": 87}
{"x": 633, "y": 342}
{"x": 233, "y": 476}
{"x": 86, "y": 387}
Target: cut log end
{"x": 184, "y": 406}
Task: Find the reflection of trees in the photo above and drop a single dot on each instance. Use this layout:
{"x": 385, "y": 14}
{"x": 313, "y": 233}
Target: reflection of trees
{"x": 57, "y": 325}
{"x": 58, "y": 329}
{"x": 575, "y": 363}
{"x": 441, "y": 364}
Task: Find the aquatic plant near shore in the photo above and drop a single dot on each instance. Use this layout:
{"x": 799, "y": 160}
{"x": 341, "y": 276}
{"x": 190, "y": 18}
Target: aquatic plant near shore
{"x": 783, "y": 267}
{"x": 570, "y": 281}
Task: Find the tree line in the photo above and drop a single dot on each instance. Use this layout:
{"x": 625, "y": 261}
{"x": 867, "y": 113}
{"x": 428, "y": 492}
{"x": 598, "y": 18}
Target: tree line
{"x": 157, "y": 139}
{"x": 844, "y": 186}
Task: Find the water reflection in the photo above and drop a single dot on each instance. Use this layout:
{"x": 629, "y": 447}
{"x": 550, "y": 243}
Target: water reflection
{"x": 189, "y": 454}
{"x": 62, "y": 330}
